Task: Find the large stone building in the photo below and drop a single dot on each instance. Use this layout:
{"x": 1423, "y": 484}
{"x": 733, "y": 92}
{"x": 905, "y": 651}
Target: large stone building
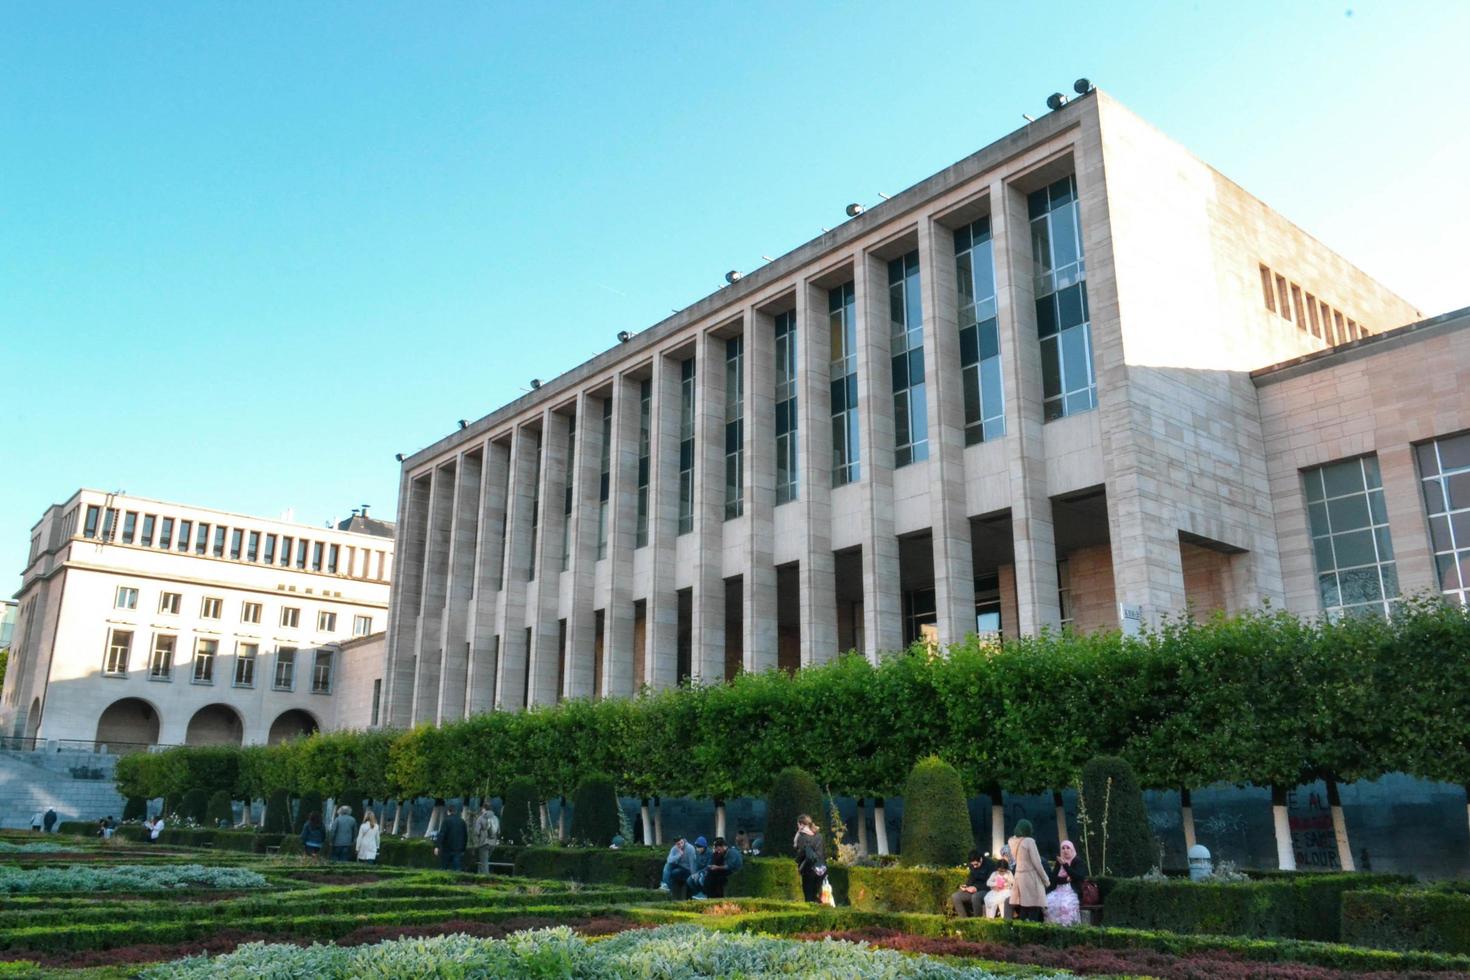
{"x": 144, "y": 622}
{"x": 1019, "y": 394}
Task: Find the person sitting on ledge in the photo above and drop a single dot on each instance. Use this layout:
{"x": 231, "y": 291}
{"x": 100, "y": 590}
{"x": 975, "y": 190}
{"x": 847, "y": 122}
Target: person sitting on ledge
{"x": 999, "y": 895}
{"x": 968, "y": 901}
{"x": 678, "y": 866}
{"x": 1063, "y": 905}
{"x": 720, "y": 863}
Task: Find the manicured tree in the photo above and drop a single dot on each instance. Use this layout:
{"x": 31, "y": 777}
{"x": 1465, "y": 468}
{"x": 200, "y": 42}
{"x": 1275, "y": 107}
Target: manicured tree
{"x": 311, "y": 802}
{"x": 278, "y": 813}
{"x": 353, "y": 797}
{"x": 195, "y": 805}
{"x": 220, "y": 808}
{"x": 136, "y": 808}
{"x": 1116, "y": 838}
{"x": 172, "y": 806}
{"x": 595, "y": 811}
{"x": 518, "y": 816}
{"x": 936, "y": 818}
{"x": 793, "y": 792}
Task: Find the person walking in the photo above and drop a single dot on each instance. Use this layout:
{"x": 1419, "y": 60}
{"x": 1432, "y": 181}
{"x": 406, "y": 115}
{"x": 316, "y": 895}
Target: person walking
{"x": 343, "y": 833}
{"x": 485, "y": 835}
{"x": 811, "y": 858}
{"x": 313, "y": 836}
{"x": 1028, "y": 888}
{"x": 49, "y": 821}
{"x": 368, "y": 836}
{"x": 454, "y": 835}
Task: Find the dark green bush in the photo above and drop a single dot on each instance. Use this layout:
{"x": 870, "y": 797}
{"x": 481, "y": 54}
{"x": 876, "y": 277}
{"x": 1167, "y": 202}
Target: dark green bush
{"x": 311, "y": 802}
{"x": 936, "y": 819}
{"x": 353, "y": 797}
{"x": 595, "y": 811}
{"x": 520, "y": 813}
{"x": 172, "y": 806}
{"x": 195, "y": 806}
{"x": 278, "y": 813}
{"x": 793, "y": 792}
{"x": 1116, "y": 823}
{"x": 896, "y": 889}
{"x": 1437, "y": 920}
{"x": 220, "y": 808}
{"x": 136, "y": 808}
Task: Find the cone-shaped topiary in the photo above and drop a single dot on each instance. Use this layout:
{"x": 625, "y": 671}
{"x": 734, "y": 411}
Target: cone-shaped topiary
{"x": 518, "y": 816}
{"x": 278, "y": 813}
{"x": 195, "y": 805}
{"x": 311, "y": 802}
{"x": 1116, "y": 836}
{"x": 353, "y": 797}
{"x": 136, "y": 808}
{"x": 220, "y": 807}
{"x": 936, "y": 818}
{"x": 793, "y": 792}
{"x": 595, "y": 811}
{"x": 172, "y": 805}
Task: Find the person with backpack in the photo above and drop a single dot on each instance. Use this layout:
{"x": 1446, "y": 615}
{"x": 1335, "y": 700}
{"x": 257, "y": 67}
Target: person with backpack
{"x": 485, "y": 835}
{"x": 811, "y": 858}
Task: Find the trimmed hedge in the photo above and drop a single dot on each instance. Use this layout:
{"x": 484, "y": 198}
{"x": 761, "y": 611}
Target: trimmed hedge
{"x": 1116, "y": 823}
{"x": 595, "y": 811}
{"x": 936, "y": 818}
{"x": 278, "y": 813}
{"x": 136, "y": 808}
{"x": 518, "y": 811}
{"x": 1308, "y": 906}
{"x": 195, "y": 805}
{"x": 793, "y": 792}
{"x": 1437, "y": 920}
{"x": 220, "y": 807}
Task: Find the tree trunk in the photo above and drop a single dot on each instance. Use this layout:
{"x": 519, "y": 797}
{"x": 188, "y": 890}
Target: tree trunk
{"x": 880, "y": 825}
{"x": 658, "y": 822}
{"x": 1056, "y": 801}
{"x": 545, "y": 814}
{"x": 997, "y": 824}
{"x": 261, "y": 824}
{"x": 719, "y": 817}
{"x": 561, "y": 821}
{"x": 1285, "y": 855}
{"x": 408, "y": 820}
{"x": 1186, "y": 819}
{"x": 435, "y": 816}
{"x": 1339, "y": 828}
{"x": 862, "y": 822}
{"x": 647, "y": 819}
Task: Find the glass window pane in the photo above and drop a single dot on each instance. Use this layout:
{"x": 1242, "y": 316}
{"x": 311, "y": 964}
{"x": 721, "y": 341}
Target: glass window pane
{"x": 916, "y": 370}
{"x": 1454, "y": 451}
{"x": 1317, "y": 515}
{"x": 1079, "y": 401}
{"x": 1460, "y": 525}
{"x": 1046, "y": 316}
{"x": 1051, "y": 368}
{"x": 1458, "y": 486}
{"x": 971, "y": 380}
{"x": 1390, "y": 580}
{"x": 991, "y": 389}
{"x": 969, "y": 345}
{"x": 1360, "y": 585}
{"x": 1354, "y": 548}
{"x": 1434, "y": 496}
{"x": 1312, "y": 480}
{"x": 1341, "y": 478}
{"x": 901, "y": 419}
{"x": 1428, "y": 459}
{"x": 1439, "y": 533}
{"x": 918, "y": 413}
{"x": 1385, "y": 544}
{"x": 989, "y": 340}
{"x": 1348, "y": 513}
{"x": 1448, "y": 575}
{"x": 1074, "y": 358}
{"x": 1069, "y": 306}
{"x": 1323, "y": 548}
{"x": 1327, "y": 588}
{"x": 900, "y": 377}
{"x": 1376, "y": 507}
{"x": 1370, "y": 471}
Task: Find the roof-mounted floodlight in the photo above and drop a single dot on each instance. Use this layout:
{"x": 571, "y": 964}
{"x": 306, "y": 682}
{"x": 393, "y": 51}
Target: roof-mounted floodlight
{"x": 1082, "y": 86}
{"x": 463, "y": 423}
{"x": 398, "y": 456}
{"x": 732, "y": 277}
{"x": 853, "y": 210}
{"x": 624, "y": 336}
{"x": 535, "y": 383}
{"x": 1055, "y": 101}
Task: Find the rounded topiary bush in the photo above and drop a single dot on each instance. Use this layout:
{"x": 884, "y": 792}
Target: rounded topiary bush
{"x": 519, "y": 814}
{"x": 353, "y": 797}
{"x": 595, "y": 811}
{"x": 793, "y": 792}
{"x": 220, "y": 807}
{"x": 136, "y": 808}
{"x": 172, "y": 805}
{"x": 936, "y": 818}
{"x": 278, "y": 813}
{"x": 1116, "y": 839}
{"x": 311, "y": 802}
{"x": 195, "y": 805}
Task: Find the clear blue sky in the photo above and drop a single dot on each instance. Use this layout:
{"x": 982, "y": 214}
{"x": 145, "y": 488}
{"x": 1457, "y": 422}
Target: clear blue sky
{"x": 248, "y": 251}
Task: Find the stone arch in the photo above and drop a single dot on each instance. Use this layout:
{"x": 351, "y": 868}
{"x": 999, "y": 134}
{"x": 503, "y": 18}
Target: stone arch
{"x": 128, "y": 724}
{"x": 215, "y": 724}
{"x": 292, "y": 723}
{"x": 33, "y": 719}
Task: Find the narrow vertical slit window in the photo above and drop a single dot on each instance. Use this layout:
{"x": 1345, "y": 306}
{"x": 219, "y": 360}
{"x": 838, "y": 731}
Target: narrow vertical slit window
{"x": 645, "y": 424}
{"x": 686, "y": 446}
{"x": 787, "y": 478}
{"x": 604, "y": 479}
{"x": 984, "y": 394}
{"x": 535, "y": 508}
{"x": 842, "y": 324}
{"x": 734, "y": 427}
{"x": 910, "y": 401}
{"x": 130, "y": 527}
{"x": 566, "y": 507}
{"x": 1063, "y": 322}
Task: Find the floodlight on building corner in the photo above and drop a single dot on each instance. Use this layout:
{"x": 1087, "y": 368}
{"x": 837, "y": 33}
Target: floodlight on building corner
{"x": 535, "y": 383}
{"x": 624, "y": 336}
{"x": 1082, "y": 86}
{"x": 398, "y": 456}
{"x": 1055, "y": 101}
{"x": 463, "y": 424}
{"x": 732, "y": 277}
{"x": 853, "y": 210}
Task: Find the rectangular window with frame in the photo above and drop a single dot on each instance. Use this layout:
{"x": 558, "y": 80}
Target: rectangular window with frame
{"x": 109, "y": 523}
{"x": 326, "y": 622}
{"x": 984, "y": 391}
{"x": 290, "y": 617}
{"x": 604, "y": 480}
{"x": 201, "y": 540}
{"x": 148, "y": 524}
{"x": 842, "y": 324}
{"x": 334, "y": 554}
{"x": 204, "y": 654}
{"x": 535, "y": 507}
{"x": 377, "y": 699}
{"x": 734, "y": 427}
{"x": 301, "y": 549}
{"x": 186, "y": 529}
{"x": 127, "y": 598}
{"x": 362, "y": 625}
{"x": 250, "y": 612}
{"x": 269, "y": 557}
{"x": 237, "y": 543}
{"x": 1063, "y": 321}
{"x": 316, "y": 556}
{"x": 166, "y": 533}
{"x": 119, "y": 646}
{"x": 285, "y": 676}
{"x": 1351, "y": 545}
{"x": 252, "y": 546}
{"x": 566, "y": 504}
{"x": 686, "y": 446}
{"x": 161, "y": 661}
{"x": 211, "y": 607}
{"x": 788, "y": 481}
{"x": 645, "y": 425}
{"x": 130, "y": 526}
{"x": 906, "y": 337}
{"x": 286, "y": 543}
{"x": 321, "y": 673}
{"x": 89, "y": 526}
{"x": 169, "y": 602}
{"x": 245, "y": 654}
{"x": 1444, "y": 473}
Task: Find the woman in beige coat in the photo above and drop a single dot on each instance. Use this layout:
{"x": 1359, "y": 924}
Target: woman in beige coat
{"x": 1028, "y": 890}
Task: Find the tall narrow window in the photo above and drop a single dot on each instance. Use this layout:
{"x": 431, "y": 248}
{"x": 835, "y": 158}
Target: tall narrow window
{"x": 286, "y": 543}
{"x": 604, "y": 478}
{"x": 686, "y": 446}
{"x": 645, "y": 422}
{"x": 321, "y": 673}
{"x": 250, "y": 612}
{"x": 362, "y": 625}
{"x": 301, "y": 547}
{"x": 334, "y": 554}
{"x": 245, "y": 654}
{"x": 566, "y": 506}
{"x": 377, "y": 699}
{"x": 119, "y": 645}
{"x": 130, "y": 527}
{"x": 910, "y": 404}
{"x": 734, "y": 427}
{"x": 186, "y": 529}
{"x": 285, "y": 678}
{"x": 787, "y": 477}
{"x": 89, "y": 528}
{"x": 1444, "y": 467}
{"x": 979, "y": 334}
{"x": 148, "y": 523}
{"x": 316, "y": 556}
{"x": 237, "y": 541}
{"x": 168, "y": 602}
{"x": 270, "y": 550}
{"x": 161, "y": 662}
{"x": 1356, "y": 572}
{"x": 166, "y": 533}
{"x": 201, "y": 539}
{"x": 127, "y": 598}
{"x": 204, "y": 654}
{"x": 109, "y": 523}
{"x": 252, "y": 548}
{"x": 842, "y": 322}
{"x": 1068, "y": 385}
{"x": 535, "y": 508}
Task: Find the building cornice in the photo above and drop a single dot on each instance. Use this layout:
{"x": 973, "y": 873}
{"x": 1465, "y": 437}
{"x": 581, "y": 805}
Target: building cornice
{"x": 1369, "y": 346}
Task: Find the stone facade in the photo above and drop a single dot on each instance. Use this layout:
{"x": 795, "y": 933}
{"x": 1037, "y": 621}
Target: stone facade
{"x": 1158, "y": 499}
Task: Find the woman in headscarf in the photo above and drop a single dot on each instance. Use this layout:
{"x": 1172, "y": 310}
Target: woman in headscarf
{"x": 1030, "y": 882}
{"x": 1063, "y": 902}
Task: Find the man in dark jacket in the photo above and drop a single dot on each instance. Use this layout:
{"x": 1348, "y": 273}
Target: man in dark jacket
{"x": 722, "y": 862}
{"x": 50, "y": 820}
{"x": 454, "y": 836}
{"x": 343, "y": 833}
{"x": 970, "y": 899}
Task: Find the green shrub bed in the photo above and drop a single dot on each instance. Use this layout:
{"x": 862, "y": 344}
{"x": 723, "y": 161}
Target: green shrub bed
{"x": 130, "y": 877}
{"x": 673, "y": 952}
{"x": 1431, "y": 919}
{"x": 1305, "y": 906}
